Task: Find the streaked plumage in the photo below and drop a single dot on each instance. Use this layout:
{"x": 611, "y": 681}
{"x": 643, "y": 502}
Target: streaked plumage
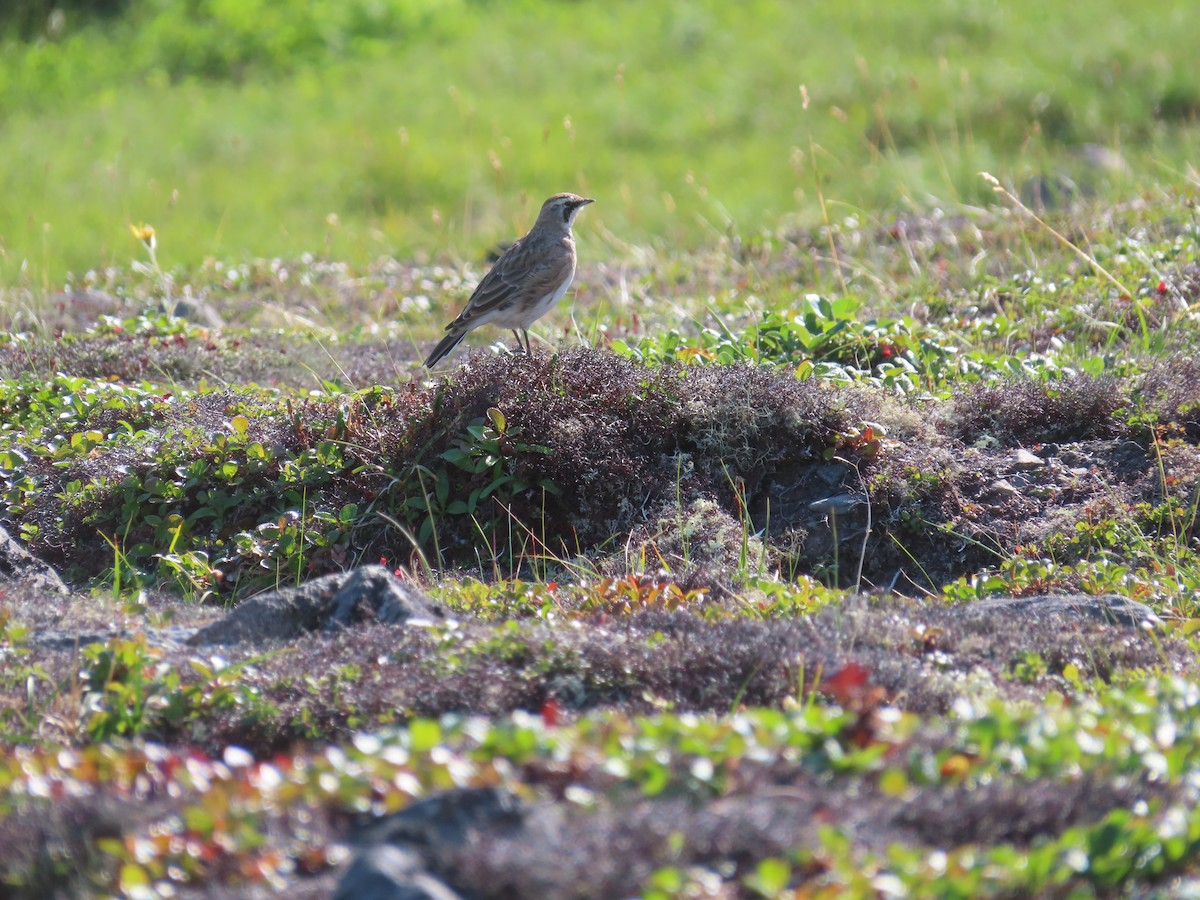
{"x": 532, "y": 275}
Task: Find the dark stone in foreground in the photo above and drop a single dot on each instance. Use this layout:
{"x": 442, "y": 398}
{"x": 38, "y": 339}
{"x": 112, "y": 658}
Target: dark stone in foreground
{"x": 442, "y": 820}
{"x": 385, "y": 872}
{"x": 1111, "y": 609}
{"x": 389, "y": 865}
{"x": 485, "y": 844}
{"x": 18, "y": 564}
{"x": 329, "y": 603}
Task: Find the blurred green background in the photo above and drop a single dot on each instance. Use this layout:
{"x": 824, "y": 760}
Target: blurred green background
{"x": 368, "y": 128}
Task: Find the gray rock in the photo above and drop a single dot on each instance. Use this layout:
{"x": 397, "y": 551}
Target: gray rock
{"x": 194, "y": 309}
{"x": 838, "y": 504}
{"x": 1023, "y": 459}
{"x": 373, "y": 593}
{"x": 78, "y": 308}
{"x": 170, "y": 637}
{"x": 1112, "y": 609}
{"x": 329, "y": 603}
{"x": 444, "y": 820}
{"x": 387, "y": 872}
{"x": 1003, "y": 486}
{"x": 395, "y": 849}
{"x": 18, "y": 564}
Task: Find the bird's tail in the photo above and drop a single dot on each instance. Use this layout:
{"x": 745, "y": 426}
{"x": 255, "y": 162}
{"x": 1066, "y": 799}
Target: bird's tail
{"x": 445, "y": 345}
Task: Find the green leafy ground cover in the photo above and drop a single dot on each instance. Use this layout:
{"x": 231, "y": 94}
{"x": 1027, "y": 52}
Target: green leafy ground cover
{"x": 650, "y": 536}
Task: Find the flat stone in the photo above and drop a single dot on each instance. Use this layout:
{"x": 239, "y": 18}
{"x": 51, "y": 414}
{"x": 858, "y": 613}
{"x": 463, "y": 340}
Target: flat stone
{"x": 18, "y": 564}
{"x": 329, "y": 603}
{"x": 1003, "y": 486}
{"x": 837, "y": 504}
{"x": 395, "y": 851}
{"x": 1023, "y": 459}
{"x": 1111, "y": 609}
{"x": 169, "y": 637}
{"x": 443, "y": 820}
{"x": 387, "y": 872}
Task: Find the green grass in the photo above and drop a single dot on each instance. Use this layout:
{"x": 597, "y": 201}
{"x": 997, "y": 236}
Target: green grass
{"x": 439, "y": 130}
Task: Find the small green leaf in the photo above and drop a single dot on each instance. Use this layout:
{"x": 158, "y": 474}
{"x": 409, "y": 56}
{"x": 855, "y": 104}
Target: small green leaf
{"x": 1190, "y": 627}
{"x": 424, "y": 734}
{"x": 494, "y": 486}
{"x": 668, "y": 879}
{"x": 893, "y": 783}
{"x": 133, "y": 876}
{"x": 771, "y": 876}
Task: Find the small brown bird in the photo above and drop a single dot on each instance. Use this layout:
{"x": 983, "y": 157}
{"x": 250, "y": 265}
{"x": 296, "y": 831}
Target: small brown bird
{"x": 526, "y": 281}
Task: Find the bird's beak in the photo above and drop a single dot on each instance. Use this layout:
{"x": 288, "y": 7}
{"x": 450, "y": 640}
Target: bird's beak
{"x": 584, "y": 201}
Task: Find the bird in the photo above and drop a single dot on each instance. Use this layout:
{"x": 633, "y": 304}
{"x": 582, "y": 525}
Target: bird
{"x": 532, "y": 275}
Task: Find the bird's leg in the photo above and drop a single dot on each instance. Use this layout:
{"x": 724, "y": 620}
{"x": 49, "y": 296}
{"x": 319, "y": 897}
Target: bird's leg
{"x": 520, "y": 346}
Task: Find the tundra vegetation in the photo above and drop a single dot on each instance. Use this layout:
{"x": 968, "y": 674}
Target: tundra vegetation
{"x": 739, "y": 586}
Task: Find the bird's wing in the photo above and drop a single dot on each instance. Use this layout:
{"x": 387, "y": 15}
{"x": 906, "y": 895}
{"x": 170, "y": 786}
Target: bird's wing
{"x": 518, "y": 273}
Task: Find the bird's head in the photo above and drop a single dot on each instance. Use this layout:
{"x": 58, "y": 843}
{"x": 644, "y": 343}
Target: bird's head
{"x": 561, "y": 209}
